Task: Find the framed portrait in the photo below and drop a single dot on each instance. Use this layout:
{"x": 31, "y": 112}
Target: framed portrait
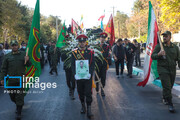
{"x": 82, "y": 69}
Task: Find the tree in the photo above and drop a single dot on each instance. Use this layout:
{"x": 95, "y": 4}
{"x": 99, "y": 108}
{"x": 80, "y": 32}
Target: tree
{"x": 16, "y": 20}
{"x": 120, "y": 25}
{"x": 10, "y": 18}
{"x": 46, "y": 33}
{"x": 170, "y": 14}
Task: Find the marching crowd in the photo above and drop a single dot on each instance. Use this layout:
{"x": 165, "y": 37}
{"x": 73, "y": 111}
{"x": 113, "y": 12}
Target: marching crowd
{"x": 123, "y": 52}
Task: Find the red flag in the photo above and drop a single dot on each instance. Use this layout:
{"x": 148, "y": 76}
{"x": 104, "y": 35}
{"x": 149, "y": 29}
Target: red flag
{"x": 110, "y": 30}
{"x": 101, "y": 18}
{"x": 74, "y": 27}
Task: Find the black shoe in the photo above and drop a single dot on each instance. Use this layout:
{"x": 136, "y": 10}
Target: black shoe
{"x": 19, "y": 109}
{"x": 165, "y": 102}
{"x": 51, "y": 72}
{"x": 102, "y": 92}
{"x": 83, "y": 109}
{"x": 89, "y": 113}
{"x": 130, "y": 76}
{"x": 18, "y": 117}
{"x": 171, "y": 108}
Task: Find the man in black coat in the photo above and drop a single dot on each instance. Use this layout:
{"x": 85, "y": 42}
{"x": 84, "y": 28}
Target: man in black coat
{"x": 130, "y": 49}
{"x": 118, "y": 53}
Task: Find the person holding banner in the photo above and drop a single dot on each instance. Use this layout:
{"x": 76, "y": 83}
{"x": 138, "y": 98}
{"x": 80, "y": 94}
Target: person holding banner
{"x": 166, "y": 66}
{"x": 82, "y": 70}
{"x": 12, "y": 61}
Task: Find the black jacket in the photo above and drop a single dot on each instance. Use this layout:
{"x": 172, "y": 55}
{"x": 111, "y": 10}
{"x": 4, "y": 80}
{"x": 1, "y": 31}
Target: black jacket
{"x": 128, "y": 48}
{"x": 119, "y": 51}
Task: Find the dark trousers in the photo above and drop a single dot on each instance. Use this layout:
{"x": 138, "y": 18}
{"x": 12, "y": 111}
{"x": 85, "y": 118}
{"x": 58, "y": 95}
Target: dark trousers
{"x": 102, "y": 74}
{"x": 53, "y": 65}
{"x": 53, "y": 68}
{"x": 137, "y": 59}
{"x": 130, "y": 61}
{"x": 16, "y": 96}
{"x": 167, "y": 81}
{"x": 70, "y": 79}
{"x": 119, "y": 61}
{"x": 49, "y": 59}
{"x": 84, "y": 88}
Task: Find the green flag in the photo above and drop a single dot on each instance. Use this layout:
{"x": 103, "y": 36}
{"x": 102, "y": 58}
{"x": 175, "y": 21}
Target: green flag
{"x": 61, "y": 40}
{"x": 33, "y": 47}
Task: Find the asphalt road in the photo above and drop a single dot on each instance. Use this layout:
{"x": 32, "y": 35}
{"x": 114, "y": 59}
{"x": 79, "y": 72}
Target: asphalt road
{"x": 123, "y": 101}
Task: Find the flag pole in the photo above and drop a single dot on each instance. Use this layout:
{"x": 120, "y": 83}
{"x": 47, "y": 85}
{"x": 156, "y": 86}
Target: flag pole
{"x": 160, "y": 42}
{"x": 26, "y": 55}
{"x": 99, "y": 81}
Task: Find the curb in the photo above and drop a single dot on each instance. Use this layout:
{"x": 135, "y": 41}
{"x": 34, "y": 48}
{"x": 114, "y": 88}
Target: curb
{"x": 157, "y": 82}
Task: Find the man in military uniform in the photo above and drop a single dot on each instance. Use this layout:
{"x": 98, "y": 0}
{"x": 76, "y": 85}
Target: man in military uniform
{"x": 68, "y": 71}
{"x": 12, "y": 61}
{"x": 102, "y": 66}
{"x": 84, "y": 86}
{"x": 129, "y": 49}
{"x": 166, "y": 66}
{"x": 53, "y": 55}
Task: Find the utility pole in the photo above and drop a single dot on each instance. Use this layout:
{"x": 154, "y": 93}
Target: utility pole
{"x": 113, "y": 10}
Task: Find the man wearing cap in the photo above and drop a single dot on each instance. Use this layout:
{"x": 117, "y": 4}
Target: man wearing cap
{"x": 12, "y": 61}
{"x": 23, "y": 46}
{"x": 54, "y": 57}
{"x": 102, "y": 66}
{"x": 84, "y": 86}
{"x": 129, "y": 49}
{"x": 68, "y": 71}
{"x": 166, "y": 67}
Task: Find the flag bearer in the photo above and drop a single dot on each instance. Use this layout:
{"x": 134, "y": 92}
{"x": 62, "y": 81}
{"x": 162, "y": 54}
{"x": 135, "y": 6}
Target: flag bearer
{"x": 14, "y": 65}
{"x": 166, "y": 67}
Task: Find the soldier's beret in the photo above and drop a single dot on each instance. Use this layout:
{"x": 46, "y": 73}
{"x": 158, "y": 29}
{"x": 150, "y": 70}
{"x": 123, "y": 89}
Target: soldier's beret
{"x": 82, "y": 37}
{"x": 14, "y": 42}
{"x": 103, "y": 35}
